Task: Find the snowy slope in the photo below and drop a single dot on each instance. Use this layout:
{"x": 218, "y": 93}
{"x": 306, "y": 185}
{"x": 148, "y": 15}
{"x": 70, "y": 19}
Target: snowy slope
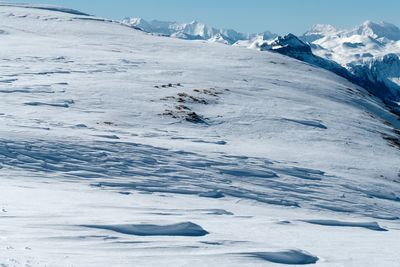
{"x": 194, "y": 31}
{"x": 121, "y": 148}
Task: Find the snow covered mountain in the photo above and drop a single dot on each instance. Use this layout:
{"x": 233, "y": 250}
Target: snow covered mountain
{"x": 121, "y": 148}
{"x": 290, "y": 45}
{"x": 369, "y": 51}
{"x": 318, "y": 31}
{"x": 193, "y": 31}
{"x": 382, "y": 30}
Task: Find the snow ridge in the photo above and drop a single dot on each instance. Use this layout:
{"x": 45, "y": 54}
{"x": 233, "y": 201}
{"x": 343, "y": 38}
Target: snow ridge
{"x": 45, "y": 7}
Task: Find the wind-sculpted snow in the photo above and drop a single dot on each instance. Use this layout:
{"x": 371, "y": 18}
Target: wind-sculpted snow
{"x": 153, "y": 169}
{"x": 316, "y": 124}
{"x": 135, "y": 167}
{"x": 368, "y": 225}
{"x": 179, "y": 229}
{"x": 292, "y": 257}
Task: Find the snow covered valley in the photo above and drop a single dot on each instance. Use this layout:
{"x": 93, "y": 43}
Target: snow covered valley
{"x": 119, "y": 148}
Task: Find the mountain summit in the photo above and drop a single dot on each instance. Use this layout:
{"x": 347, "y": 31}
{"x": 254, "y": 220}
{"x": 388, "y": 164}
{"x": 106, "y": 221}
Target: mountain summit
{"x": 319, "y": 31}
{"x": 377, "y": 30}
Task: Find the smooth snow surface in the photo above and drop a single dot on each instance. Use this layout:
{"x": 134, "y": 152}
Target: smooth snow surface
{"x": 120, "y": 148}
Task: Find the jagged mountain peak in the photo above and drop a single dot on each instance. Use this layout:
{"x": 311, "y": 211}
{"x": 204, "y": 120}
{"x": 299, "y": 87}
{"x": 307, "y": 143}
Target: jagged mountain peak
{"x": 290, "y": 40}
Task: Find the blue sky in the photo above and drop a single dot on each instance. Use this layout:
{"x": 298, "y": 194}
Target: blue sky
{"x": 280, "y": 16}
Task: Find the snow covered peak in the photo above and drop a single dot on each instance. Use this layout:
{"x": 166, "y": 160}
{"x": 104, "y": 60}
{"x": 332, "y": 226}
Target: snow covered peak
{"x": 322, "y": 29}
{"x": 290, "y": 41}
{"x": 319, "y": 31}
{"x": 219, "y": 38}
{"x": 267, "y": 35}
{"x": 377, "y": 30}
{"x": 138, "y": 23}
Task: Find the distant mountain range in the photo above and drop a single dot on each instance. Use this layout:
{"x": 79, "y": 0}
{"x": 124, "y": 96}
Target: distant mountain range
{"x": 194, "y": 31}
